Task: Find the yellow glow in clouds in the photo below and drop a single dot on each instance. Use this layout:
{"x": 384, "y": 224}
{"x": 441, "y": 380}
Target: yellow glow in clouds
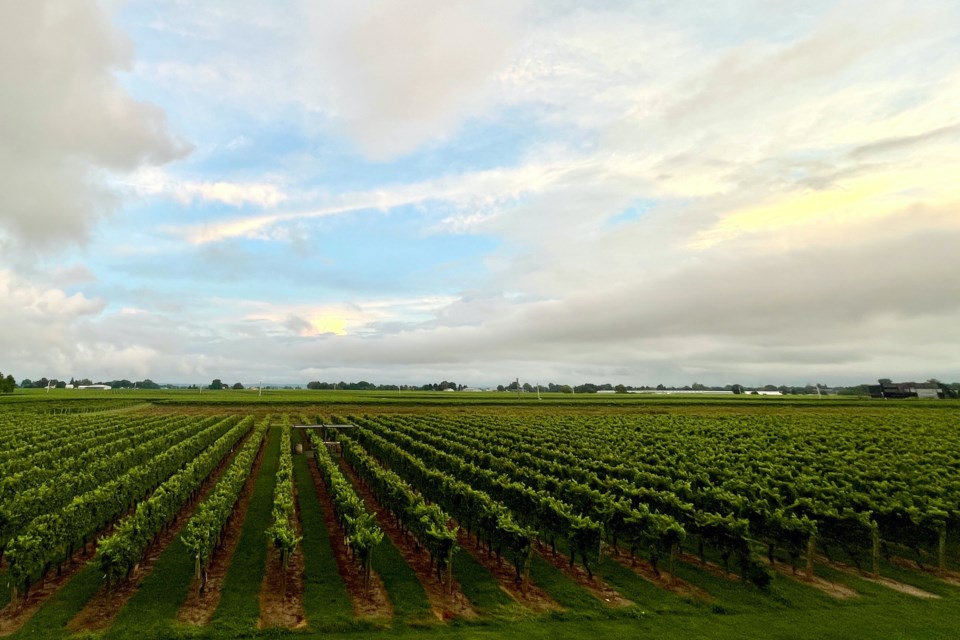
{"x": 875, "y": 196}
{"x": 329, "y": 324}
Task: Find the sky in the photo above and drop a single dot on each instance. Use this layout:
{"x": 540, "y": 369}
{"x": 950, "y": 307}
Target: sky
{"x": 407, "y": 191}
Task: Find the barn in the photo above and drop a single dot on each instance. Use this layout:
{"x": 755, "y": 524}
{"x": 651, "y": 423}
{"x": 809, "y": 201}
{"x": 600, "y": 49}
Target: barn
{"x": 906, "y": 390}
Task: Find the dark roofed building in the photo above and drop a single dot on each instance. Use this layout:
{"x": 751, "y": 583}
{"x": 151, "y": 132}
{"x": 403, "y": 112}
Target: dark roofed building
{"x": 888, "y": 389}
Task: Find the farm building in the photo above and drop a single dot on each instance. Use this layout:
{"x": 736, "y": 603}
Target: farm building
{"x": 906, "y": 390}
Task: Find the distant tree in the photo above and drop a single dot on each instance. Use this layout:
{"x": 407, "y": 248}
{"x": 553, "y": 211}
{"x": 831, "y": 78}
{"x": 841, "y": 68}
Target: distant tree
{"x": 528, "y": 387}
{"x": 26, "y": 384}
{"x": 237, "y": 386}
{"x": 737, "y": 388}
{"x": 698, "y": 387}
{"x": 857, "y": 390}
{"x": 500, "y": 387}
{"x": 620, "y": 388}
{"x": 216, "y": 385}
{"x": 7, "y": 384}
{"x": 564, "y": 388}
{"x": 148, "y": 384}
{"x": 60, "y": 384}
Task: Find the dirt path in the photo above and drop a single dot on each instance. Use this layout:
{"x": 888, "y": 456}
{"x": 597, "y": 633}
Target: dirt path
{"x": 18, "y": 612}
{"x": 832, "y": 589}
{"x": 372, "y": 603}
{"x": 579, "y": 575}
{"x": 664, "y": 580}
{"x": 530, "y": 595}
{"x": 198, "y": 610}
{"x": 950, "y": 577}
{"x": 445, "y": 605}
{"x": 281, "y": 592}
{"x": 889, "y": 583}
{"x": 279, "y": 606}
{"x": 98, "y": 614}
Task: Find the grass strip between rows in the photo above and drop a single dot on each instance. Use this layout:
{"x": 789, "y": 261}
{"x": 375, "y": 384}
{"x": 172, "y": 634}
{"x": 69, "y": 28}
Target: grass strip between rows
{"x": 326, "y": 602}
{"x": 239, "y": 607}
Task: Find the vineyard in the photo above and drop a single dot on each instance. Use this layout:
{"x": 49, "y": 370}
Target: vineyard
{"x": 141, "y": 517}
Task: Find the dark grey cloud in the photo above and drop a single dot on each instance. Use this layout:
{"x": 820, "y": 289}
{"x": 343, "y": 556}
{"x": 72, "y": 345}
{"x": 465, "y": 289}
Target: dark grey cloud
{"x": 948, "y": 133}
{"x": 849, "y": 311}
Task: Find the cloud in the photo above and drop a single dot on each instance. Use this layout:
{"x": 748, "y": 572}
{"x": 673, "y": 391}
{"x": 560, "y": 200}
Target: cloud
{"x": 672, "y": 192}
{"x": 156, "y": 182}
{"x": 361, "y": 317}
{"x": 470, "y": 191}
{"x": 949, "y": 133}
{"x": 829, "y": 308}
{"x": 64, "y": 117}
{"x": 400, "y": 74}
{"x": 44, "y": 316}
{"x": 74, "y": 275}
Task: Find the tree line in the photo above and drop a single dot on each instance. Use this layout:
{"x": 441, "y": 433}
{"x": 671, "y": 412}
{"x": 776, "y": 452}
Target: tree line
{"x": 363, "y": 385}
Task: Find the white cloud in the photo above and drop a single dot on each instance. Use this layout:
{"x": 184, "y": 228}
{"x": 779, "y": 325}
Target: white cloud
{"x": 44, "y": 317}
{"x": 401, "y": 73}
{"x": 156, "y": 182}
{"x": 360, "y": 317}
{"x": 491, "y": 190}
{"x": 64, "y": 114}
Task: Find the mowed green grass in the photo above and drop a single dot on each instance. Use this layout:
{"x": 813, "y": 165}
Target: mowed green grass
{"x": 409, "y": 600}
{"x": 52, "y": 618}
{"x": 239, "y": 607}
{"x": 76, "y": 398}
{"x": 326, "y": 602}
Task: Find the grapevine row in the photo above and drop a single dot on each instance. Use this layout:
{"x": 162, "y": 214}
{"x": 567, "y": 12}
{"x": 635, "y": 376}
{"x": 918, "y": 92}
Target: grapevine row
{"x": 474, "y": 509}
{"x": 52, "y": 537}
{"x": 124, "y": 548}
{"x": 55, "y": 494}
{"x": 358, "y": 524}
{"x": 644, "y": 518}
{"x": 282, "y": 531}
{"x": 429, "y": 525}
{"x": 536, "y": 509}
{"x": 204, "y": 531}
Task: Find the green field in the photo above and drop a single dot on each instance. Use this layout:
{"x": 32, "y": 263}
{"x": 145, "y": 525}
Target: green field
{"x": 837, "y": 482}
